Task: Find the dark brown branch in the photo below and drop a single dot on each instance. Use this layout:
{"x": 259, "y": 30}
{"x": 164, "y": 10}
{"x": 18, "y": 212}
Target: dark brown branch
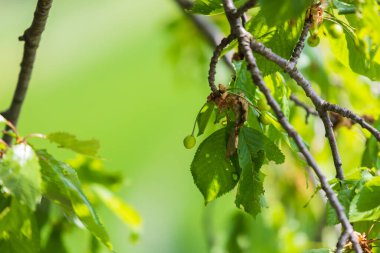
{"x": 207, "y": 28}
{"x": 244, "y": 41}
{"x": 244, "y": 8}
{"x": 214, "y": 61}
{"x": 333, "y": 145}
{"x": 32, "y": 38}
{"x": 301, "y": 42}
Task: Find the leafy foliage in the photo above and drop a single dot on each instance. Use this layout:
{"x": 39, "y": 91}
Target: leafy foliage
{"x": 349, "y": 29}
{"x": 285, "y": 10}
{"x": 33, "y": 182}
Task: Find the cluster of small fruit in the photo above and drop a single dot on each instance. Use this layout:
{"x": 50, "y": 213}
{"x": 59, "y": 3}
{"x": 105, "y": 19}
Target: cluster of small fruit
{"x": 335, "y": 30}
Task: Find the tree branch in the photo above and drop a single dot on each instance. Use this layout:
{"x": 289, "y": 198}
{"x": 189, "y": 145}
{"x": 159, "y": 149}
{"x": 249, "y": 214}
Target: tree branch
{"x": 301, "y": 42}
{"x": 32, "y": 38}
{"x": 214, "y": 61}
{"x": 245, "y": 7}
{"x": 244, "y": 41}
{"x": 295, "y": 74}
{"x": 333, "y": 145}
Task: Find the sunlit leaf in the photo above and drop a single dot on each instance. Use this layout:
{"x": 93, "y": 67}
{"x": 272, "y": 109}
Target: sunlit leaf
{"x": 351, "y": 52}
{"x": 125, "y": 212}
{"x": 204, "y": 117}
{"x": 366, "y": 204}
{"x": 20, "y": 174}
{"x": 61, "y": 185}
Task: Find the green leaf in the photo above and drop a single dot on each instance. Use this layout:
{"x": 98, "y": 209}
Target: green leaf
{"x": 69, "y": 141}
{"x": 14, "y": 215}
{"x": 366, "y": 204}
{"x": 243, "y": 80}
{"x": 17, "y": 244}
{"x": 125, "y": 212}
{"x": 210, "y": 7}
{"x": 61, "y": 185}
{"x": 254, "y": 146}
{"x": 279, "y": 11}
{"x": 213, "y": 173}
{"x": 281, "y": 38}
{"x": 280, "y": 89}
{"x": 371, "y": 157}
{"x": 250, "y": 191}
{"x": 23, "y": 239}
{"x": 204, "y": 116}
{"x": 20, "y": 174}
{"x": 257, "y": 141}
{"x": 345, "y": 197}
{"x": 344, "y": 8}
{"x": 91, "y": 171}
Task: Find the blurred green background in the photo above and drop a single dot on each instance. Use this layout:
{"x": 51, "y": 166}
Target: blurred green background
{"x": 103, "y": 71}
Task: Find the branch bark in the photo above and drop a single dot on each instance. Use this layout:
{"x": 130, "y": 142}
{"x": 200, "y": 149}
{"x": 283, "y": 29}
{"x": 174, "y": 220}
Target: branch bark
{"x": 32, "y": 38}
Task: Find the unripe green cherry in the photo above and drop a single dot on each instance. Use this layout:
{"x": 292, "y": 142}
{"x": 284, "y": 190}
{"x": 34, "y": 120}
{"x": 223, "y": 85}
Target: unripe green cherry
{"x": 265, "y": 119}
{"x": 189, "y": 141}
{"x": 336, "y": 31}
{"x": 313, "y": 40}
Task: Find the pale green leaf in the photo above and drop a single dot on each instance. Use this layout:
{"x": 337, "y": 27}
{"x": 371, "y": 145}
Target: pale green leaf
{"x": 69, "y": 141}
{"x": 125, "y": 212}
{"x": 352, "y": 52}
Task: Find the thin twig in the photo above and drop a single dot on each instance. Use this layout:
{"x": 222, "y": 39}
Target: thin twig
{"x": 309, "y": 110}
{"x": 244, "y": 41}
{"x": 32, "y": 38}
{"x": 214, "y": 61}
